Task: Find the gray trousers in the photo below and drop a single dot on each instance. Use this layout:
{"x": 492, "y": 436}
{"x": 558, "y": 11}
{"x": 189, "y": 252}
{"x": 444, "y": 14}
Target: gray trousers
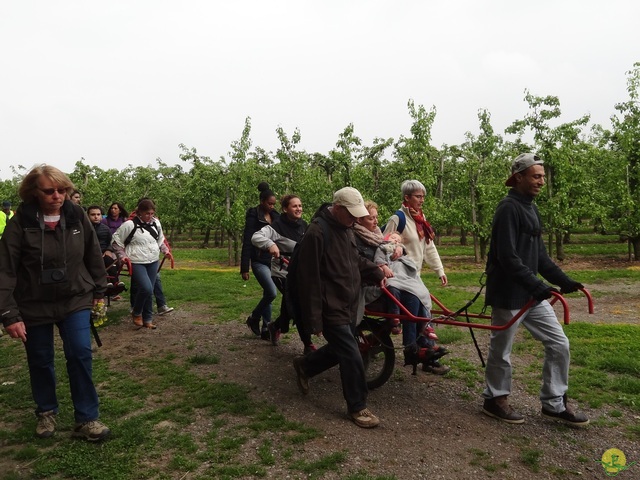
{"x": 542, "y": 323}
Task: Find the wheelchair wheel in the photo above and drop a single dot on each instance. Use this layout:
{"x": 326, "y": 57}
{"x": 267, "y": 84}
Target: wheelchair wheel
{"x": 376, "y": 348}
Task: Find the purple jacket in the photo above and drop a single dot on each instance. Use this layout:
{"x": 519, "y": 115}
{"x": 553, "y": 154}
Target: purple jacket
{"x": 113, "y": 224}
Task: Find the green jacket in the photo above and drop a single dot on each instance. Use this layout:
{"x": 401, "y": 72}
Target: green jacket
{"x": 26, "y": 249}
{"x": 4, "y": 219}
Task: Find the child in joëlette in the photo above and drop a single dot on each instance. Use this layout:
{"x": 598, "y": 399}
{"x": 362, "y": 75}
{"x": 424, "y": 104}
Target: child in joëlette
{"x": 407, "y": 286}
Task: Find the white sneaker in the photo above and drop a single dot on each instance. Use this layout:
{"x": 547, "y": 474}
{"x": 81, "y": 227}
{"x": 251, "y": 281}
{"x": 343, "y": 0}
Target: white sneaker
{"x": 164, "y": 309}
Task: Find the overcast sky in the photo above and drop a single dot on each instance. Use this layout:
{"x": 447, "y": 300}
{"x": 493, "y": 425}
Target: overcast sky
{"x": 125, "y": 82}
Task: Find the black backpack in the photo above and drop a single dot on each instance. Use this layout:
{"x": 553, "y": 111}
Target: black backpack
{"x": 152, "y": 228}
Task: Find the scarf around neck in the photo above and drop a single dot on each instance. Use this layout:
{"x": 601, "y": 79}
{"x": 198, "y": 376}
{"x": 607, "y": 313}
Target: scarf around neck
{"x": 374, "y": 238}
{"x": 424, "y": 228}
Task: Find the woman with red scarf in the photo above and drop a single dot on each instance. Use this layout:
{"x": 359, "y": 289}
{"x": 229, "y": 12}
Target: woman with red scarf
{"x": 417, "y": 237}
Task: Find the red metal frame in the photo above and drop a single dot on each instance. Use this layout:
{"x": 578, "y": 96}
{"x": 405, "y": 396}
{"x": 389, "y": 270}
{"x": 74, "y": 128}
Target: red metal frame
{"x": 448, "y": 317}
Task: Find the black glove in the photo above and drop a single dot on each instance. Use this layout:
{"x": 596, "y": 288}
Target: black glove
{"x": 571, "y": 287}
{"x": 544, "y": 294}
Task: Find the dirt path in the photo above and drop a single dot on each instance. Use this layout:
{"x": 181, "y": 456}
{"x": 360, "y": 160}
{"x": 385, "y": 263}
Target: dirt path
{"x": 431, "y": 426}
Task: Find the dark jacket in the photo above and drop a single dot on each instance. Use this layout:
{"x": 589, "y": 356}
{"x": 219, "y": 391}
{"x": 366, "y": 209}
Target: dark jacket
{"x": 330, "y": 276}
{"x": 104, "y": 236}
{"x": 517, "y": 255}
{"x": 254, "y": 221}
{"x": 364, "y": 249}
{"x": 23, "y": 296}
{"x": 285, "y": 227}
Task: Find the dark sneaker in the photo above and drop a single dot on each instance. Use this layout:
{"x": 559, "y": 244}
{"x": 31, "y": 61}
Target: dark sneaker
{"x": 115, "y": 290}
{"x": 274, "y": 334}
{"x": 46, "y": 425}
{"x": 254, "y": 325}
{"x": 364, "y": 418}
{"x": 302, "y": 379}
{"x": 436, "y": 368}
{"x": 498, "y": 407}
{"x": 92, "y": 431}
{"x": 568, "y": 417}
{"x": 309, "y": 349}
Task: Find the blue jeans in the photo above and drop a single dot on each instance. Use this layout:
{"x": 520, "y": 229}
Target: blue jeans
{"x": 341, "y": 349}
{"x": 75, "y": 332}
{"x": 262, "y": 273}
{"x": 157, "y": 292}
{"x": 144, "y": 278}
{"x": 542, "y": 323}
{"x": 161, "y": 301}
{"x": 414, "y": 305}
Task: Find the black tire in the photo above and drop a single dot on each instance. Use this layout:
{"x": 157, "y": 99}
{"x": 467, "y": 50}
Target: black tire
{"x": 378, "y": 353}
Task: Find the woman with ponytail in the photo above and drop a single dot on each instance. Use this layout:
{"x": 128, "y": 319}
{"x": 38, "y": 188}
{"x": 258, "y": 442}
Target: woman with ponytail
{"x": 259, "y": 260}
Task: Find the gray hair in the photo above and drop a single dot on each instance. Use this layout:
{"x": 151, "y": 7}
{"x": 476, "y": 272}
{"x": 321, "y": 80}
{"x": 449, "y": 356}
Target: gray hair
{"x": 408, "y": 187}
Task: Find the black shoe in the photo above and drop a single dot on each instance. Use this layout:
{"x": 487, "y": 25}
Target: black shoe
{"x": 301, "y": 376}
{"x": 254, "y": 325}
{"x": 568, "y": 417}
{"x": 264, "y": 335}
{"x": 274, "y": 334}
{"x": 412, "y": 357}
{"x": 499, "y": 408}
{"x": 435, "y": 367}
{"x": 309, "y": 349}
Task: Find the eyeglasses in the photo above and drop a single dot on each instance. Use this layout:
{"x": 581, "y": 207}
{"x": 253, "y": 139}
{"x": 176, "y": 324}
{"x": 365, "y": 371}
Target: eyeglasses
{"x": 420, "y": 197}
{"x": 50, "y": 191}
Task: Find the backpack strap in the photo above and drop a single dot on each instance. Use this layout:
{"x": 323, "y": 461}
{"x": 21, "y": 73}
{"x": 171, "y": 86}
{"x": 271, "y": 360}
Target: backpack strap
{"x": 138, "y": 225}
{"x": 324, "y": 226}
{"x": 402, "y": 221}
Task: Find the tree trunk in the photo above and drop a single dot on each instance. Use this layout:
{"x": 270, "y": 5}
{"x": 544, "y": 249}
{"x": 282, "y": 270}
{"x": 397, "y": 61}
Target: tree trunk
{"x": 559, "y": 247}
{"x": 635, "y": 243}
{"x": 483, "y": 248}
{"x": 463, "y": 237}
{"x": 207, "y": 235}
{"x": 476, "y": 248}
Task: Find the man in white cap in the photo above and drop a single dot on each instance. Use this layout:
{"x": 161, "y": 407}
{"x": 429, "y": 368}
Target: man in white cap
{"x": 517, "y": 255}
{"x": 329, "y": 274}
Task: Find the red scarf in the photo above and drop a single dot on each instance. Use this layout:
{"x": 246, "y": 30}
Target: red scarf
{"x": 425, "y": 230}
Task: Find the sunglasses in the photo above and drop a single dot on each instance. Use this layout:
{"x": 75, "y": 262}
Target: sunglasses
{"x": 50, "y": 191}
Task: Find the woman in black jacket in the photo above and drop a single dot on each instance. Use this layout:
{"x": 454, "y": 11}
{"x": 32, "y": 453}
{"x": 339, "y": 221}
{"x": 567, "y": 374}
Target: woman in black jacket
{"x": 52, "y": 273}
{"x": 259, "y": 261}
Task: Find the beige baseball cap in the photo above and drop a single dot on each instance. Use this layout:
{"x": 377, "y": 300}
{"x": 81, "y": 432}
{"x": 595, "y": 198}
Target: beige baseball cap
{"x": 351, "y": 199}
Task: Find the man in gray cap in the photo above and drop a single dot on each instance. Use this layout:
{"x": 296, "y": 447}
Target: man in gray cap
{"x": 329, "y": 273}
{"x": 517, "y": 255}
